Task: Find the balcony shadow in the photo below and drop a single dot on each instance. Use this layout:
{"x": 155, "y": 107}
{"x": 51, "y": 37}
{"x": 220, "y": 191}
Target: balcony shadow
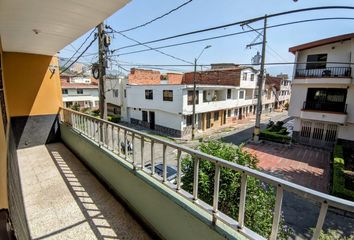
{"x": 106, "y": 217}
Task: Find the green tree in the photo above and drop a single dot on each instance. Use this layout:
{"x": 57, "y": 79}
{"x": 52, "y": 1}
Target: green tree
{"x": 260, "y": 198}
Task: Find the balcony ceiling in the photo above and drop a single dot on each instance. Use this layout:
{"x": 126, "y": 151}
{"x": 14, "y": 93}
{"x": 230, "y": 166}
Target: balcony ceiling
{"x": 58, "y": 22}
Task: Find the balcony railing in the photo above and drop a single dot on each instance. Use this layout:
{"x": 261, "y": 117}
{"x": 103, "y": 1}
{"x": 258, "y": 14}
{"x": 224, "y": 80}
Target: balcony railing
{"x": 325, "y": 106}
{"x": 328, "y": 72}
{"x": 109, "y": 136}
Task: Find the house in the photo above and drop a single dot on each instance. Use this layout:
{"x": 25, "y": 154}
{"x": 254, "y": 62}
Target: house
{"x": 163, "y": 102}
{"x": 80, "y": 91}
{"x": 322, "y": 100}
{"x": 114, "y": 95}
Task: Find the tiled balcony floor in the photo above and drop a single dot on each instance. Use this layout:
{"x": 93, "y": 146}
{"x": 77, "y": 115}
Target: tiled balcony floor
{"x": 63, "y": 200}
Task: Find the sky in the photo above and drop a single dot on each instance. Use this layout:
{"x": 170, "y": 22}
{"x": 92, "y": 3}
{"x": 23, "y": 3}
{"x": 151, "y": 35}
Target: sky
{"x": 201, "y": 14}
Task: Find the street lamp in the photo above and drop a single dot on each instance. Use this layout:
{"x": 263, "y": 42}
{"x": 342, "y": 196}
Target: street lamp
{"x": 194, "y": 88}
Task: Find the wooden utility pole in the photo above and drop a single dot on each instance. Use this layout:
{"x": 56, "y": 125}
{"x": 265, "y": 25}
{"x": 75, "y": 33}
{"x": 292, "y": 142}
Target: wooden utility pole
{"x": 194, "y": 98}
{"x": 257, "y": 127}
{"x": 102, "y": 70}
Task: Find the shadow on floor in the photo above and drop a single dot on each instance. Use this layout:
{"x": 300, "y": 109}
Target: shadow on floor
{"x": 105, "y": 216}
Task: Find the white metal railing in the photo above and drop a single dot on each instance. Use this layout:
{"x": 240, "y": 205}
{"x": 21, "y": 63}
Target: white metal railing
{"x": 111, "y": 135}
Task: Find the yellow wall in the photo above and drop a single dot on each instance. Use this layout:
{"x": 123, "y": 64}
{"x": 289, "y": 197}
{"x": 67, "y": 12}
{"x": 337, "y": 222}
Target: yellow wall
{"x": 31, "y": 88}
{"x": 3, "y": 158}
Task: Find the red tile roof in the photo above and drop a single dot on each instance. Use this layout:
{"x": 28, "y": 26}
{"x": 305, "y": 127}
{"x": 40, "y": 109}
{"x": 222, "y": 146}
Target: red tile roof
{"x": 321, "y": 42}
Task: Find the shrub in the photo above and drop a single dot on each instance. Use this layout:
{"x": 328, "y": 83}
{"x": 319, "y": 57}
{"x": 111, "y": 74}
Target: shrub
{"x": 286, "y": 106}
{"x": 270, "y": 124}
{"x": 75, "y": 107}
{"x": 114, "y": 119}
{"x": 338, "y": 186}
{"x": 260, "y": 198}
{"x": 275, "y": 137}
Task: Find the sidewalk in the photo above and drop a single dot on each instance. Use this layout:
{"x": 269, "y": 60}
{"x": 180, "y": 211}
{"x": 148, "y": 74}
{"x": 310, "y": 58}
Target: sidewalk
{"x": 228, "y": 131}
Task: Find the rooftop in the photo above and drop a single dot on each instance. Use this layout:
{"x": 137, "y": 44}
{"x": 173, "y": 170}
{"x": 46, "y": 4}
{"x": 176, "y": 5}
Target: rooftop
{"x": 321, "y": 42}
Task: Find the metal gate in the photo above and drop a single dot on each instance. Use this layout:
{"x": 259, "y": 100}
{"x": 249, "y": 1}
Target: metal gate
{"x": 318, "y": 134}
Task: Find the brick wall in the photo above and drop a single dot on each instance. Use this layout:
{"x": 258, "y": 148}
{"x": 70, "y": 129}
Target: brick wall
{"x": 144, "y": 77}
{"x": 225, "y": 77}
{"x": 174, "y": 78}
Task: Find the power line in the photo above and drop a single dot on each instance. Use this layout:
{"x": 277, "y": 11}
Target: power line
{"x": 232, "y": 34}
{"x": 157, "y": 18}
{"x": 78, "y": 57}
{"x": 78, "y": 49}
{"x": 161, "y": 52}
{"x": 240, "y": 64}
{"x": 241, "y": 22}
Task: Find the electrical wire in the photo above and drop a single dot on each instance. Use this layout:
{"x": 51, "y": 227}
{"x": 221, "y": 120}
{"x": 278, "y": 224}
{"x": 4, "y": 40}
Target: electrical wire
{"x": 232, "y": 34}
{"x": 78, "y": 57}
{"x": 240, "y": 64}
{"x": 78, "y": 49}
{"x": 157, "y": 18}
{"x": 161, "y": 52}
{"x": 247, "y": 21}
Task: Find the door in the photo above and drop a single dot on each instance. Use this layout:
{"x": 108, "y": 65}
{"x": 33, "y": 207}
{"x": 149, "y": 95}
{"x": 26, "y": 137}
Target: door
{"x": 318, "y": 134}
{"x": 152, "y": 120}
{"x": 208, "y": 120}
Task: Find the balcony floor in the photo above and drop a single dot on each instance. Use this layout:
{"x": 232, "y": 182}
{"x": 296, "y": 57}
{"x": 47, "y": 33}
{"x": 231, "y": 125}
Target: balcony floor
{"x": 63, "y": 200}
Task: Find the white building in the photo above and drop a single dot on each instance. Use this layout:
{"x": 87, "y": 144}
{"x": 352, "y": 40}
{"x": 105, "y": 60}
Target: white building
{"x": 81, "y": 91}
{"x": 168, "y": 108}
{"x": 116, "y": 102}
{"x": 322, "y": 99}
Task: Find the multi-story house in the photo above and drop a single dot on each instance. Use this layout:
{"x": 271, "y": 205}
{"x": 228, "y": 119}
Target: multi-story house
{"x": 80, "y": 91}
{"x": 114, "y": 95}
{"x": 284, "y": 92}
{"x": 323, "y": 92}
{"x": 164, "y": 102}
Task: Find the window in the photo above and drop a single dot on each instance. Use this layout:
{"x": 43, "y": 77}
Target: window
{"x": 235, "y": 111}
{"x": 145, "y": 116}
{"x": 252, "y": 77}
{"x": 242, "y": 94}
{"x": 318, "y": 61}
{"x": 168, "y": 95}
{"x": 64, "y": 91}
{"x": 115, "y": 93}
{"x": 189, "y": 120}
{"x": 148, "y": 94}
{"x": 79, "y": 91}
{"x": 205, "y": 96}
{"x": 125, "y": 93}
{"x": 190, "y": 97}
{"x": 244, "y": 76}
{"x": 216, "y": 116}
{"x": 229, "y": 113}
{"x": 228, "y": 93}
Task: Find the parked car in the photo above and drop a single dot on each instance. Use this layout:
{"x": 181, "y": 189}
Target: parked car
{"x": 171, "y": 171}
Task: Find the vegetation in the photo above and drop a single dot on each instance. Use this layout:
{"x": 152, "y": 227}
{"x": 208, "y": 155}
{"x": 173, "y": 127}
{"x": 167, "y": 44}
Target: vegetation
{"x": 114, "y": 119}
{"x": 260, "y": 198}
{"x": 275, "y": 132}
{"x": 75, "y": 107}
{"x": 331, "y": 234}
{"x": 338, "y": 186}
{"x": 286, "y": 106}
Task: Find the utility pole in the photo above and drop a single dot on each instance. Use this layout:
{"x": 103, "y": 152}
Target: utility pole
{"x": 194, "y": 97}
{"x": 102, "y": 70}
{"x": 261, "y": 76}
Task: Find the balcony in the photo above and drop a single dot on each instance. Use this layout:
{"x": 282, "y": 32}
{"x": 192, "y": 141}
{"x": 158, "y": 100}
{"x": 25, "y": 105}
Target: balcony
{"x": 97, "y": 143}
{"x": 324, "y": 111}
{"x": 329, "y": 72}
{"x": 329, "y": 75}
